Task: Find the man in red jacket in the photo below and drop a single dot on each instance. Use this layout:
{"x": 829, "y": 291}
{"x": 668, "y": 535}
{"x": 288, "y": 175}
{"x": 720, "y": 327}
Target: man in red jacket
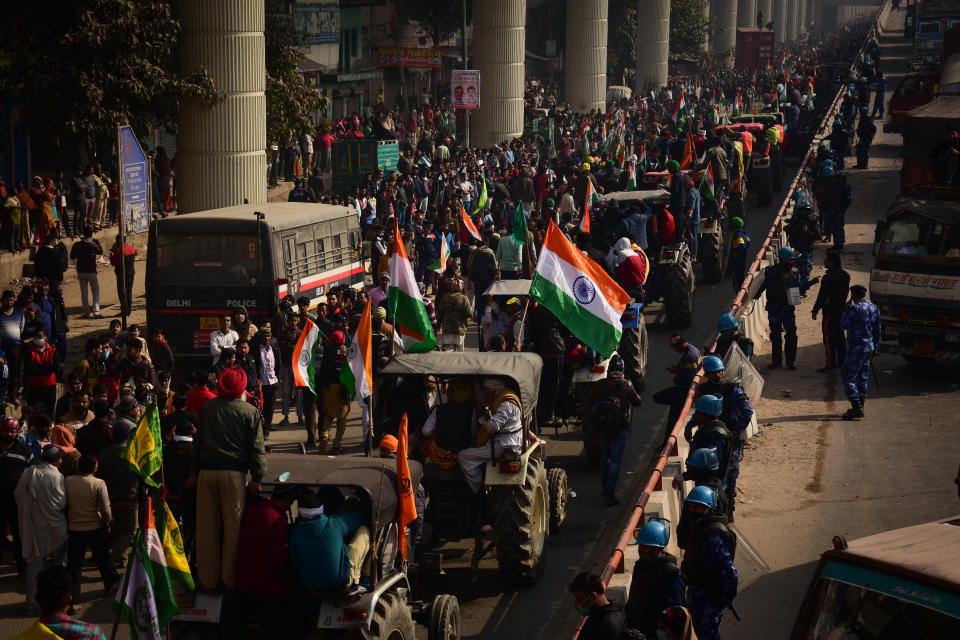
{"x": 41, "y": 371}
{"x": 265, "y": 579}
{"x": 124, "y": 270}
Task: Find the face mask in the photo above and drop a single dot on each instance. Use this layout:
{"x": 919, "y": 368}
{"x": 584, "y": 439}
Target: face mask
{"x": 38, "y": 342}
{"x": 104, "y": 355}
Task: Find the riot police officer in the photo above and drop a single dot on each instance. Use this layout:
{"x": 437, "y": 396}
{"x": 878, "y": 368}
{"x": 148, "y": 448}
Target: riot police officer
{"x": 777, "y": 282}
{"x": 861, "y": 319}
{"x": 735, "y": 414}
{"x": 703, "y": 469}
{"x": 728, "y": 329}
{"x": 710, "y": 432}
{"x": 708, "y": 567}
{"x": 656, "y": 583}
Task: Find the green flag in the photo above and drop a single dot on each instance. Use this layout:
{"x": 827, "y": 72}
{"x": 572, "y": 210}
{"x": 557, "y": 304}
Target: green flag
{"x": 145, "y": 446}
{"x": 482, "y": 202}
{"x": 520, "y": 225}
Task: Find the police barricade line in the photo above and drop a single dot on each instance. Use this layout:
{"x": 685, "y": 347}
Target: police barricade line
{"x": 740, "y": 301}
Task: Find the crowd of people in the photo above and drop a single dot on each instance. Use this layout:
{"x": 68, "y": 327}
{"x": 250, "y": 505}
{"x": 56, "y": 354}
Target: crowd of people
{"x": 468, "y": 217}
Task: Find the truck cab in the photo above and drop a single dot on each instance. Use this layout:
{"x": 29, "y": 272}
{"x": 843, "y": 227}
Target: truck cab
{"x": 903, "y": 583}
{"x": 915, "y": 280}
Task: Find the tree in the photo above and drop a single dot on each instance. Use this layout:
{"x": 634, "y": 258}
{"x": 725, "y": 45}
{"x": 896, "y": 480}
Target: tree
{"x": 291, "y": 102}
{"x": 690, "y": 27}
{"x": 84, "y": 66}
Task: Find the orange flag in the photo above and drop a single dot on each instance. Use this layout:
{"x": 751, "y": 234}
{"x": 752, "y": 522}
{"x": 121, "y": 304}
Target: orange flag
{"x": 687, "y": 151}
{"x": 406, "y": 504}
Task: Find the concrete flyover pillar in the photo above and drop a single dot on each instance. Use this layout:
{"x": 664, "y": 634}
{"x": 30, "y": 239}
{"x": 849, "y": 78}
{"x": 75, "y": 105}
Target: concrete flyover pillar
{"x": 724, "y": 12}
{"x": 705, "y": 45}
{"x": 586, "y": 56}
{"x": 803, "y": 19}
{"x": 498, "y": 51}
{"x": 221, "y": 150}
{"x": 653, "y": 36}
{"x": 767, "y": 7}
{"x": 791, "y": 20}
{"x": 746, "y": 13}
{"x": 780, "y": 20}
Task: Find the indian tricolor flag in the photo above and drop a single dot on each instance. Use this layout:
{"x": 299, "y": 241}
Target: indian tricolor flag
{"x": 587, "y": 201}
{"x": 468, "y": 230}
{"x": 642, "y": 160}
{"x": 579, "y": 292}
{"x": 304, "y": 354}
{"x": 440, "y": 264}
{"x": 677, "y": 108}
{"x": 584, "y": 130}
{"x": 357, "y": 376}
{"x": 632, "y": 177}
{"x": 404, "y": 303}
{"x": 706, "y": 183}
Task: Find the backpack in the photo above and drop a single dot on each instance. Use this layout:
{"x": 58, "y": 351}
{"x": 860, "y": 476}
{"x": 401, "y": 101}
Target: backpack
{"x": 608, "y": 414}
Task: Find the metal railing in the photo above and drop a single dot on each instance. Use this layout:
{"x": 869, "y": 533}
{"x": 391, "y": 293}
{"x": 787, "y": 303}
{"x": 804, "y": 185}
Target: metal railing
{"x": 774, "y": 237}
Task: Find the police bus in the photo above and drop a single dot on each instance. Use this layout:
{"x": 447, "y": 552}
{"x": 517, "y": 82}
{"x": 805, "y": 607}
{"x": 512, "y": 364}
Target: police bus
{"x": 203, "y": 265}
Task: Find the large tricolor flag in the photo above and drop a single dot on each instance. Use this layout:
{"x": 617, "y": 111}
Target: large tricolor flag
{"x": 579, "y": 292}
{"x": 357, "y": 376}
{"x": 440, "y": 264}
{"x": 706, "y": 183}
{"x": 304, "y": 354}
{"x": 677, "y": 108}
{"x": 404, "y": 302}
{"x": 587, "y": 201}
{"x": 146, "y": 598}
{"x": 468, "y": 230}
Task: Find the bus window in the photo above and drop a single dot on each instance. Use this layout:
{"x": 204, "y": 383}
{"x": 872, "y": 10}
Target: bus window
{"x": 321, "y": 258}
{"x": 207, "y": 260}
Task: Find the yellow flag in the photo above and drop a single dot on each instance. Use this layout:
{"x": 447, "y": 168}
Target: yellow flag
{"x": 172, "y": 543}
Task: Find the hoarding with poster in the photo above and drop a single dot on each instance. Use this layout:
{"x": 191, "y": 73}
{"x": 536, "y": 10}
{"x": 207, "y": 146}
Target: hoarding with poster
{"x": 465, "y": 89}
{"x": 410, "y": 57}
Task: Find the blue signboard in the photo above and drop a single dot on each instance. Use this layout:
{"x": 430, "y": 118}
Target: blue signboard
{"x": 135, "y": 195}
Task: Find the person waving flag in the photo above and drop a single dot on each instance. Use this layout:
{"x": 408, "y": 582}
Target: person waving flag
{"x": 404, "y": 302}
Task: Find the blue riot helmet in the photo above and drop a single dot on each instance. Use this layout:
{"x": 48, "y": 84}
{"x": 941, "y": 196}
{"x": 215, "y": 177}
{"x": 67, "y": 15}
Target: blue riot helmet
{"x": 863, "y": 110}
{"x": 827, "y": 171}
{"x": 787, "y": 253}
{"x": 727, "y": 321}
{"x": 712, "y": 363}
{"x": 711, "y": 405}
{"x": 653, "y": 534}
{"x": 703, "y": 495}
{"x": 851, "y": 87}
{"x": 705, "y": 458}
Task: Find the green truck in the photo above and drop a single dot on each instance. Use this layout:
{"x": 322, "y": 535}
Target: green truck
{"x": 353, "y": 159}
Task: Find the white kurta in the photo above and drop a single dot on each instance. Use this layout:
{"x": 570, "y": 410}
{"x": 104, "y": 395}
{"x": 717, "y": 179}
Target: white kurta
{"x": 41, "y": 503}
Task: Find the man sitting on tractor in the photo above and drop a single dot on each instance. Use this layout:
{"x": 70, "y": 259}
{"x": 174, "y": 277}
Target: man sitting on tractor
{"x": 501, "y": 429}
{"x": 328, "y": 550}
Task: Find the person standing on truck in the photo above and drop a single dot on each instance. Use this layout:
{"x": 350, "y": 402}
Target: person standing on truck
{"x": 778, "y": 280}
{"x": 831, "y": 299}
{"x": 865, "y": 132}
{"x": 708, "y": 567}
{"x": 610, "y": 402}
{"x": 861, "y": 319}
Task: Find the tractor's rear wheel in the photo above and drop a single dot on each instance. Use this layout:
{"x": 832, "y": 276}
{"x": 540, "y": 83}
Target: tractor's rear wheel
{"x": 521, "y": 526}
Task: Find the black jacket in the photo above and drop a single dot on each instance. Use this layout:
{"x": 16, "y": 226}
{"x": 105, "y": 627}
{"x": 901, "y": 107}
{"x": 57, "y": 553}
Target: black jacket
{"x": 833, "y": 291}
{"x": 603, "y": 623}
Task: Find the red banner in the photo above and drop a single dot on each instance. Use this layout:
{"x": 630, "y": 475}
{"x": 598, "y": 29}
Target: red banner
{"x": 412, "y": 57}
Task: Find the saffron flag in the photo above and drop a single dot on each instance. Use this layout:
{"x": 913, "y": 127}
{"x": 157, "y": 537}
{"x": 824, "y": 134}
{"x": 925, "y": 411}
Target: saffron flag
{"x": 404, "y": 302}
{"x": 677, "y": 108}
{"x": 144, "y": 449}
{"x": 406, "y": 502}
{"x": 172, "y": 543}
{"x": 706, "y": 183}
{"x": 357, "y": 376}
{"x": 587, "y": 201}
{"x": 579, "y": 292}
{"x": 146, "y": 598}
{"x": 468, "y": 230}
{"x": 688, "y": 151}
{"x": 304, "y": 354}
